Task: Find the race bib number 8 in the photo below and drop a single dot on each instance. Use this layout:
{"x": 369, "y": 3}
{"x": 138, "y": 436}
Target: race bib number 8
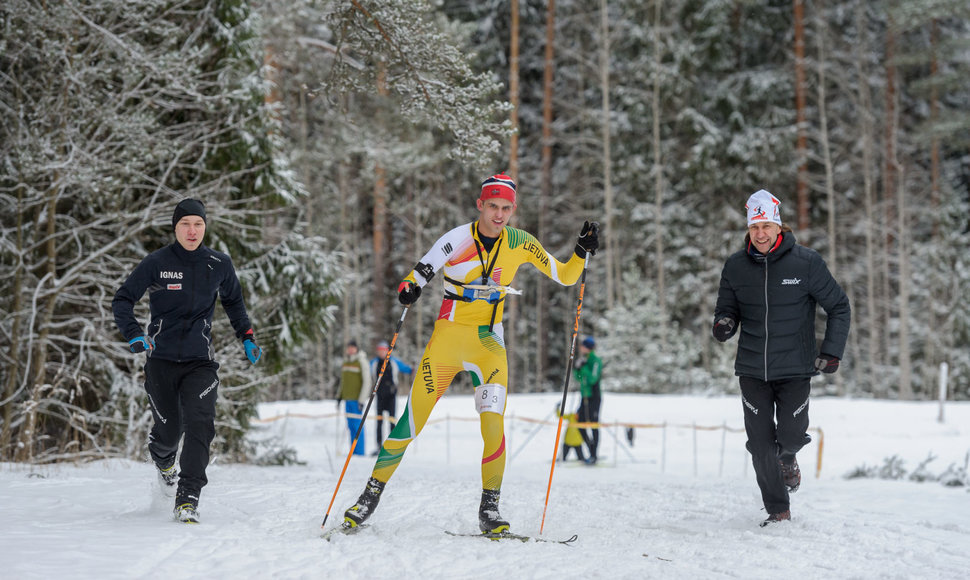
{"x": 490, "y": 398}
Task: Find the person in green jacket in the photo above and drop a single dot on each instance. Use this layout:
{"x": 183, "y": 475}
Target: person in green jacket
{"x": 589, "y": 368}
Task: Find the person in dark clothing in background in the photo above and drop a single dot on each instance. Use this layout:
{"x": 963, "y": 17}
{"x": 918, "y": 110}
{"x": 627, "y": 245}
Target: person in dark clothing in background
{"x": 589, "y": 370}
{"x": 397, "y": 373}
{"x": 183, "y": 280}
{"x": 769, "y": 291}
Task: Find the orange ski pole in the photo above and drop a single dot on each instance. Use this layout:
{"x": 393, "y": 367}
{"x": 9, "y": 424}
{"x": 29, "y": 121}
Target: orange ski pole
{"x": 565, "y": 389}
{"x": 363, "y": 417}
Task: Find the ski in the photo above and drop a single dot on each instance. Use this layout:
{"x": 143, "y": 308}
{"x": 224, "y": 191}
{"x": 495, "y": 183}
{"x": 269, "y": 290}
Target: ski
{"x": 341, "y": 529}
{"x": 510, "y": 536}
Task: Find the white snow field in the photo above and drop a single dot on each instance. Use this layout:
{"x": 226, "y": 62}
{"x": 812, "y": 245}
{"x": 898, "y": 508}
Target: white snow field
{"x": 680, "y": 503}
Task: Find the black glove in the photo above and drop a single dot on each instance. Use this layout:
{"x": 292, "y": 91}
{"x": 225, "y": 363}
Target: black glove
{"x": 141, "y": 344}
{"x": 589, "y": 239}
{"x": 826, "y": 363}
{"x": 408, "y": 293}
{"x": 724, "y": 328}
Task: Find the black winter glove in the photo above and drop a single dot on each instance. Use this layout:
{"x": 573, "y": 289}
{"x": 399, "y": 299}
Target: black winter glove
{"x": 408, "y": 292}
{"x": 724, "y": 328}
{"x": 589, "y": 239}
{"x": 826, "y": 363}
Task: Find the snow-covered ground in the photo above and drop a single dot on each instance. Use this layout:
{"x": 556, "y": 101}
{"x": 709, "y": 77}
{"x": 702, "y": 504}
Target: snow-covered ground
{"x": 680, "y": 503}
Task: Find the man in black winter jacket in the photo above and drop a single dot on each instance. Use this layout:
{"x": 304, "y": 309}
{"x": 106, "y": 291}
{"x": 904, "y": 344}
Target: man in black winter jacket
{"x": 182, "y": 280}
{"x": 770, "y": 291}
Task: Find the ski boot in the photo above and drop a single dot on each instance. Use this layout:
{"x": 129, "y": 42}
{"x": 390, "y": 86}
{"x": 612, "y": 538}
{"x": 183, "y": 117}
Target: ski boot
{"x": 489, "y": 520}
{"x": 366, "y": 504}
{"x": 186, "y": 508}
{"x": 791, "y": 475}
{"x": 167, "y": 479}
{"x": 775, "y": 518}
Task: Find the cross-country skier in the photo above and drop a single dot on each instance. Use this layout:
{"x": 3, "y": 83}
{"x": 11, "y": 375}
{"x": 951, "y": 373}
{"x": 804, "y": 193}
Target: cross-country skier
{"x": 769, "y": 291}
{"x": 183, "y": 280}
{"x": 468, "y": 335}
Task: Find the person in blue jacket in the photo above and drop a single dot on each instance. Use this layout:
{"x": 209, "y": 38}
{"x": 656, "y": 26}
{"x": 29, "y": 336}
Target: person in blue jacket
{"x": 183, "y": 281}
{"x": 397, "y": 373}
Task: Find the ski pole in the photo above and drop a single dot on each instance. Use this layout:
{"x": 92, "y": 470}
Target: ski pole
{"x": 565, "y": 389}
{"x": 363, "y": 417}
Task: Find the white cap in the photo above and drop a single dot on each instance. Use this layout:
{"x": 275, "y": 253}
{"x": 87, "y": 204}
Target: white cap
{"x": 763, "y": 207}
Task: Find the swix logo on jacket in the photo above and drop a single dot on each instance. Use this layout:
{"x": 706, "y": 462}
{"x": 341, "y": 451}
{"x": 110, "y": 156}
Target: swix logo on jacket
{"x": 181, "y": 312}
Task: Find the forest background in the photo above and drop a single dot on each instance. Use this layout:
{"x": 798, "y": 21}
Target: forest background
{"x": 334, "y": 141}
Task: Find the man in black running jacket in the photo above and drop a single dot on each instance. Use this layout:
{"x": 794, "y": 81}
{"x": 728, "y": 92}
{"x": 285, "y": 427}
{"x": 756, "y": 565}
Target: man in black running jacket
{"x": 770, "y": 291}
{"x": 183, "y": 280}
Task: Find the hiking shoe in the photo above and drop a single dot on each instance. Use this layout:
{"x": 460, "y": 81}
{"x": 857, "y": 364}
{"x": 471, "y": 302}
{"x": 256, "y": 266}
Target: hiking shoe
{"x": 489, "y": 520}
{"x": 366, "y": 504}
{"x": 187, "y": 513}
{"x": 168, "y": 479}
{"x": 775, "y": 518}
{"x": 791, "y": 475}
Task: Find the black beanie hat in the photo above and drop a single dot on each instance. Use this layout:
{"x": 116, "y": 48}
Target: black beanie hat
{"x": 188, "y": 207}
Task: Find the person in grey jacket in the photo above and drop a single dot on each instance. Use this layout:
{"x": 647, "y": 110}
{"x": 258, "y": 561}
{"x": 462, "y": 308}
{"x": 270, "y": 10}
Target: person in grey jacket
{"x": 769, "y": 294}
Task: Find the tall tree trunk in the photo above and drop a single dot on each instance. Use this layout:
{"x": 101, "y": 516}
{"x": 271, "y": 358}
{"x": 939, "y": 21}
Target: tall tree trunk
{"x": 29, "y": 433}
{"x": 827, "y": 152}
{"x": 890, "y": 169}
{"x": 905, "y": 360}
{"x": 934, "y": 353}
{"x": 380, "y": 235}
{"x": 801, "y": 147}
{"x": 514, "y": 91}
{"x": 872, "y": 324}
{"x": 542, "y": 301}
{"x": 658, "y": 174}
{"x": 13, "y": 372}
{"x": 512, "y": 306}
{"x": 612, "y": 256}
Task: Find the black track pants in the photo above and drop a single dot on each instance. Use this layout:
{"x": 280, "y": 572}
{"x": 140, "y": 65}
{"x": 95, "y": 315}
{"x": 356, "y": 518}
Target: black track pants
{"x": 183, "y": 400}
{"x": 385, "y": 402}
{"x": 768, "y": 441}
{"x": 589, "y": 412}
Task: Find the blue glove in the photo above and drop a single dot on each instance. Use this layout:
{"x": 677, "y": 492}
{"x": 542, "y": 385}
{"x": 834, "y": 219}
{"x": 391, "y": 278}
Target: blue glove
{"x": 141, "y": 344}
{"x": 253, "y": 352}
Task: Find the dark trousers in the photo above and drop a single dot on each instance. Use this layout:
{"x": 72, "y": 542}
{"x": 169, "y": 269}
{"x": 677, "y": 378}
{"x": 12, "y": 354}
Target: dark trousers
{"x": 784, "y": 401}
{"x": 183, "y": 400}
{"x": 589, "y": 412}
{"x": 385, "y": 402}
{"x": 577, "y": 448}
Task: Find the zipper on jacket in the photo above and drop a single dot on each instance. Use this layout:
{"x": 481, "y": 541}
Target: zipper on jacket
{"x": 766, "y": 320}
